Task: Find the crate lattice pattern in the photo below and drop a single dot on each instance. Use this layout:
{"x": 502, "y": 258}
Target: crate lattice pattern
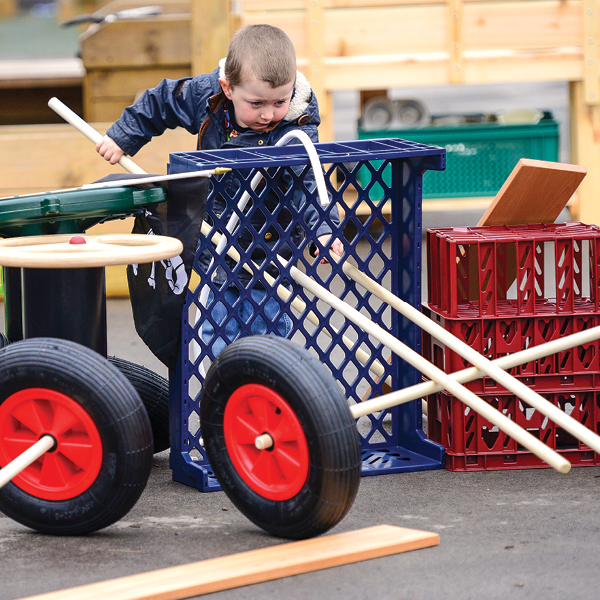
{"x": 387, "y": 247}
{"x": 502, "y": 290}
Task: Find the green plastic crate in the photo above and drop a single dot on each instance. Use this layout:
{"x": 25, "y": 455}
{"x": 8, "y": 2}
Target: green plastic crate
{"x": 479, "y": 156}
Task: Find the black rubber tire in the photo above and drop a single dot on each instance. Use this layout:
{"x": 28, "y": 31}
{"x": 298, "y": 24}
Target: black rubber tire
{"x": 116, "y": 411}
{"x": 319, "y": 405}
{"x": 154, "y": 392}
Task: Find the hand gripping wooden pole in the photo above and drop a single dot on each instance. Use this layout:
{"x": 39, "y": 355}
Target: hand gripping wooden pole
{"x": 505, "y": 379}
{"x": 70, "y": 117}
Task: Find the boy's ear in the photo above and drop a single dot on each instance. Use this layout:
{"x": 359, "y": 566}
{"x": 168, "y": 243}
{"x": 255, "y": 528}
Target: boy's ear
{"x": 226, "y": 88}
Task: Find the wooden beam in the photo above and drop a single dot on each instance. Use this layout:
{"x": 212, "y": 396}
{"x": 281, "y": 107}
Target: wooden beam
{"x": 455, "y": 40}
{"x": 316, "y": 77}
{"x": 255, "y": 566}
{"x": 8, "y": 8}
{"x": 210, "y": 34}
{"x": 585, "y": 150}
{"x": 157, "y": 42}
{"x": 591, "y": 62}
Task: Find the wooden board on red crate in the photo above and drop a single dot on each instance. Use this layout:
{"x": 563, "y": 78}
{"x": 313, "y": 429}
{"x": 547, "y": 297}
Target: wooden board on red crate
{"x": 536, "y": 191}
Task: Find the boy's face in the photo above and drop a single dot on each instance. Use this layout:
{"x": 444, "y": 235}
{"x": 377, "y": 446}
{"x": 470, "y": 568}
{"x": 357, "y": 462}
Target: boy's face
{"x": 257, "y": 105}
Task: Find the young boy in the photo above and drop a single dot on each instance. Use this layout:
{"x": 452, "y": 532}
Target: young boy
{"x": 253, "y": 98}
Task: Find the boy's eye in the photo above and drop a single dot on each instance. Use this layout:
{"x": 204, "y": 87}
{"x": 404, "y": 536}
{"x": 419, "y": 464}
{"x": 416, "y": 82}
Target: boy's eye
{"x": 257, "y": 104}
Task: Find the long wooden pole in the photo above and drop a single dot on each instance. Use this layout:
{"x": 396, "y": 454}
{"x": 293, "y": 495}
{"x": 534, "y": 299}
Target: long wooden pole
{"x": 420, "y": 390}
{"x": 88, "y": 131}
{"x": 495, "y": 417}
{"x": 426, "y": 388}
{"x": 505, "y": 379}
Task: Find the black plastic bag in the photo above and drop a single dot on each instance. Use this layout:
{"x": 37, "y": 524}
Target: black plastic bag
{"x": 157, "y": 290}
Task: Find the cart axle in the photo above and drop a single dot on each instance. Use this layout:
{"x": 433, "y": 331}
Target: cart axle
{"x": 13, "y": 468}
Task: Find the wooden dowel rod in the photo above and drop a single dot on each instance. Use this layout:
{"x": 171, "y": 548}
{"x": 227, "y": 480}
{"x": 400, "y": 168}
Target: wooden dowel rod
{"x": 89, "y": 132}
{"x": 14, "y": 467}
{"x": 416, "y": 360}
{"x": 426, "y": 388}
{"x": 263, "y": 442}
{"x": 505, "y": 379}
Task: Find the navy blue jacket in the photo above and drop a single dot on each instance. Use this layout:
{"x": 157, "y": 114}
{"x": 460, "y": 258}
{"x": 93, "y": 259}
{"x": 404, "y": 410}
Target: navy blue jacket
{"x": 197, "y": 104}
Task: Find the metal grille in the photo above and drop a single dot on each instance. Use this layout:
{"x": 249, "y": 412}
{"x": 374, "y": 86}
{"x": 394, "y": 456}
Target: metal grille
{"x": 382, "y": 238}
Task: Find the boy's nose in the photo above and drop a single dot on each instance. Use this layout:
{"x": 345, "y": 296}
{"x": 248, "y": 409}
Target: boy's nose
{"x": 268, "y": 112}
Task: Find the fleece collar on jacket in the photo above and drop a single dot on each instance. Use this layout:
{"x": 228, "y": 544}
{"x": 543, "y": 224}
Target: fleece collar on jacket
{"x": 300, "y": 98}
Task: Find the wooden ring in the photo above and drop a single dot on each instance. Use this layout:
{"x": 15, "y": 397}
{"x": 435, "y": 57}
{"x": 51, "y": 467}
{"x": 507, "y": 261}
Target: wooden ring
{"x": 70, "y": 251}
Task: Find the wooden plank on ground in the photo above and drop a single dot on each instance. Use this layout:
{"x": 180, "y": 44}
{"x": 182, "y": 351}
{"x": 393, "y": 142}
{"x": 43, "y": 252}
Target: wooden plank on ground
{"x": 535, "y": 192}
{"x": 255, "y": 566}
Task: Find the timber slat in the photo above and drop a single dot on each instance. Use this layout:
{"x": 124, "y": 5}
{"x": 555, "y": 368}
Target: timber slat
{"x": 255, "y": 566}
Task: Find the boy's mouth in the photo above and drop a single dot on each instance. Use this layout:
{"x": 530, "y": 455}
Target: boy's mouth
{"x": 266, "y": 125}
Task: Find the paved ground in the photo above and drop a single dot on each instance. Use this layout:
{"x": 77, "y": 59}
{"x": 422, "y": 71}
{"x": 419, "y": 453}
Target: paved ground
{"x": 511, "y": 534}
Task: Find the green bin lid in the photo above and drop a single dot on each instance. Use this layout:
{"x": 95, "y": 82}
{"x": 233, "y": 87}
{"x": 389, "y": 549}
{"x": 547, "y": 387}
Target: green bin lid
{"x": 72, "y": 211}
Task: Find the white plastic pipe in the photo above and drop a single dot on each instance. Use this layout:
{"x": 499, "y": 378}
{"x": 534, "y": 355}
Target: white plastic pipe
{"x": 125, "y": 182}
{"x": 90, "y": 133}
{"x": 505, "y": 379}
{"x": 243, "y": 201}
{"x": 319, "y": 178}
{"x": 13, "y": 468}
{"x": 509, "y": 427}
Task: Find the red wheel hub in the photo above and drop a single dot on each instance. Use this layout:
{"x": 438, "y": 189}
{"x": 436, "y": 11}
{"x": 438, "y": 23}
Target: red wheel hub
{"x": 276, "y": 473}
{"x": 72, "y": 465}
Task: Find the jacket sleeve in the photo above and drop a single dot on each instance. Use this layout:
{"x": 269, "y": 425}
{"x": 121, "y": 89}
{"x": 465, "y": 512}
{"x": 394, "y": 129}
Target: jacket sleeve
{"x": 172, "y": 103}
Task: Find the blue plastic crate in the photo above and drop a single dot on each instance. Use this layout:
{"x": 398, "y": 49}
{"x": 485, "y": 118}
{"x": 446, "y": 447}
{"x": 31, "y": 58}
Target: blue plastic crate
{"x": 387, "y": 248}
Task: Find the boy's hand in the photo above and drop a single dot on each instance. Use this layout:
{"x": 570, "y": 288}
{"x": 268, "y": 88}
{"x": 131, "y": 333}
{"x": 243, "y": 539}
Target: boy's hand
{"x": 109, "y": 150}
{"x": 336, "y": 246}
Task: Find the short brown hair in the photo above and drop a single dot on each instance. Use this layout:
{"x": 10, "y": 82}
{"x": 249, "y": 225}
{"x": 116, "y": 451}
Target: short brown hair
{"x": 263, "y": 52}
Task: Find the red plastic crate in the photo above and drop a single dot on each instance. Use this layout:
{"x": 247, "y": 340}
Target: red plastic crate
{"x": 523, "y": 270}
{"x": 473, "y": 444}
{"x": 497, "y": 336}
